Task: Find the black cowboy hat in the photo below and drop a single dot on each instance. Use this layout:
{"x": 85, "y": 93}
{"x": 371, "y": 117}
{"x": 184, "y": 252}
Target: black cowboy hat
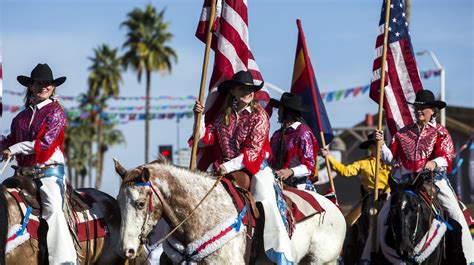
{"x": 289, "y": 101}
{"x": 427, "y": 98}
{"x": 370, "y": 141}
{"x": 41, "y": 72}
{"x": 242, "y": 78}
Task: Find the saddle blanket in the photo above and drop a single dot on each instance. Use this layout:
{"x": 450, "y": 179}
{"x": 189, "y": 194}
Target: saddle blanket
{"x": 304, "y": 203}
{"x": 95, "y": 221}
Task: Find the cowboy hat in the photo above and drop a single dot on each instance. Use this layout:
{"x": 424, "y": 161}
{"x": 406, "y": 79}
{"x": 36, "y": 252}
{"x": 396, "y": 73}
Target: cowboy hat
{"x": 41, "y": 72}
{"x": 370, "y": 141}
{"x": 242, "y": 78}
{"x": 289, "y": 101}
{"x": 427, "y": 98}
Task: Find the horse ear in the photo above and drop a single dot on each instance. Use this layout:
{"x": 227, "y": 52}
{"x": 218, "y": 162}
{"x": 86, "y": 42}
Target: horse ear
{"x": 146, "y": 174}
{"x": 120, "y": 169}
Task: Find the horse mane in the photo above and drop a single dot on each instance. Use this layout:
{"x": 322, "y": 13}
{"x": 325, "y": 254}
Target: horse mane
{"x": 162, "y": 163}
{"x": 3, "y": 223}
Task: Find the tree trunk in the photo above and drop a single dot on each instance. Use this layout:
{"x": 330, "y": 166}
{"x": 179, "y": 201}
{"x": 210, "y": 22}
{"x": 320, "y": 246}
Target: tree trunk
{"x": 147, "y": 114}
{"x": 76, "y": 176}
{"x": 83, "y": 179}
{"x": 90, "y": 162}
{"x": 100, "y": 154}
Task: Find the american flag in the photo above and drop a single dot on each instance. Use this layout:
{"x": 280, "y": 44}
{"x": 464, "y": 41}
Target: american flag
{"x": 230, "y": 43}
{"x": 402, "y": 80}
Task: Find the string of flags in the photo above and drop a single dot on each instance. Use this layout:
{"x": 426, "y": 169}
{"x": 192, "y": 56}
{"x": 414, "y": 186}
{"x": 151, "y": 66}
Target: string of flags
{"x": 81, "y": 98}
{"x": 329, "y": 96}
{"x": 134, "y": 108}
{"x": 132, "y": 115}
{"x": 122, "y": 118}
{"x": 15, "y": 108}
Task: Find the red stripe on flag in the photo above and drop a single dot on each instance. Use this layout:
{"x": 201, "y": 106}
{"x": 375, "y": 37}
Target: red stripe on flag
{"x": 410, "y": 63}
{"x": 397, "y": 90}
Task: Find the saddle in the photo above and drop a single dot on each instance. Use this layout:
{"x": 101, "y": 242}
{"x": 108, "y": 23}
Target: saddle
{"x": 29, "y": 193}
{"x": 28, "y": 190}
{"x": 237, "y": 185}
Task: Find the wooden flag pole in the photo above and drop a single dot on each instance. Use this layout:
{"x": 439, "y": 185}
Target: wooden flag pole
{"x": 315, "y": 99}
{"x": 328, "y": 166}
{"x": 373, "y": 211}
{"x": 197, "y": 124}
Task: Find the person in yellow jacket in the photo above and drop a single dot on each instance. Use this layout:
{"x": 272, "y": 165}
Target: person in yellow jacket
{"x": 364, "y": 168}
{"x": 358, "y": 218}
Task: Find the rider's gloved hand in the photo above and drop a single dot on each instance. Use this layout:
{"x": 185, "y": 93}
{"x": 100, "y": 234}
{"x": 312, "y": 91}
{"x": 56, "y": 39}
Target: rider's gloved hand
{"x": 6, "y": 154}
{"x": 430, "y": 165}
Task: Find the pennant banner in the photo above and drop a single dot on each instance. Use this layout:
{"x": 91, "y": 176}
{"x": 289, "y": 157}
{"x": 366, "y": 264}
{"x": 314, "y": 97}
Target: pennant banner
{"x": 16, "y": 108}
{"x": 82, "y": 99}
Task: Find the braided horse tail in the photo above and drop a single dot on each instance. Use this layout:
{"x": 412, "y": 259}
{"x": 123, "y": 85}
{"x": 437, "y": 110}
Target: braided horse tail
{"x": 3, "y": 223}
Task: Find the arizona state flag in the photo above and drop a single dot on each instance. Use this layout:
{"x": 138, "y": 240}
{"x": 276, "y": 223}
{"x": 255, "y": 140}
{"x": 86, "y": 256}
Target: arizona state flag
{"x": 304, "y": 83}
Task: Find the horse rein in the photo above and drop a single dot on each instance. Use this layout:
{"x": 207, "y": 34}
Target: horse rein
{"x": 143, "y": 239}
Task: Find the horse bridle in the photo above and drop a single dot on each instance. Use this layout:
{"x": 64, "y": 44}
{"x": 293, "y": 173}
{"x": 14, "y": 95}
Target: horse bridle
{"x": 144, "y": 239}
{"x": 418, "y": 208}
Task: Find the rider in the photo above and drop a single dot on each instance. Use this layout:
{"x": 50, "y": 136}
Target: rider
{"x": 427, "y": 146}
{"x": 239, "y": 135}
{"x": 364, "y": 168}
{"x": 36, "y": 139}
{"x": 294, "y": 146}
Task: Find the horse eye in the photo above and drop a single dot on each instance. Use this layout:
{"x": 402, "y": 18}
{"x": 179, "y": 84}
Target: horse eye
{"x": 140, "y": 205}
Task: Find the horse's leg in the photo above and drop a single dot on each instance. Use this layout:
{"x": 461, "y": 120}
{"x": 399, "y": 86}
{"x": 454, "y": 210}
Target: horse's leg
{"x": 319, "y": 238}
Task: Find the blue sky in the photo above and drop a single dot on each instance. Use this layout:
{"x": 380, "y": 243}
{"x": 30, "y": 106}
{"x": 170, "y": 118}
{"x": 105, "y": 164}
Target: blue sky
{"x": 340, "y": 37}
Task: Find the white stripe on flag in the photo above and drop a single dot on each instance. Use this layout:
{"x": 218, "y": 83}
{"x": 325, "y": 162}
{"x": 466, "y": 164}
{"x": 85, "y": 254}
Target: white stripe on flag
{"x": 228, "y": 50}
{"x": 376, "y": 75}
{"x": 252, "y": 65}
{"x": 378, "y": 52}
{"x": 234, "y": 18}
{"x": 403, "y": 75}
{"x": 382, "y": 29}
{"x": 206, "y": 11}
{"x": 392, "y": 104}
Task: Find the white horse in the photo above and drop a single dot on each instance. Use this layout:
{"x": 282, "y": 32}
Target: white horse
{"x": 172, "y": 193}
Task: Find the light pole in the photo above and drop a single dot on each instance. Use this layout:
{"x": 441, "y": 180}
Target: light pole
{"x": 441, "y": 70}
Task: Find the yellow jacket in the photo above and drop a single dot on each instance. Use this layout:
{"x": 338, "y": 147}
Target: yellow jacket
{"x": 365, "y": 168}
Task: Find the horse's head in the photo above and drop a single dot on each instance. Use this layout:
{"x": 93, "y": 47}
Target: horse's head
{"x": 408, "y": 218}
{"x": 141, "y": 207}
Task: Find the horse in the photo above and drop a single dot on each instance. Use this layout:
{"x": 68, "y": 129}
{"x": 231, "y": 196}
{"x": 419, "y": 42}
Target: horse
{"x": 415, "y": 231}
{"x": 358, "y": 220}
{"x": 99, "y": 251}
{"x": 160, "y": 190}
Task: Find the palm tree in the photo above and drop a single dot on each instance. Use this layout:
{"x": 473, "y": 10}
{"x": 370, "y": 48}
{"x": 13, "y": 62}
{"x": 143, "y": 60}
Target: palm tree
{"x": 104, "y": 82}
{"x": 147, "y": 50}
{"x": 78, "y": 151}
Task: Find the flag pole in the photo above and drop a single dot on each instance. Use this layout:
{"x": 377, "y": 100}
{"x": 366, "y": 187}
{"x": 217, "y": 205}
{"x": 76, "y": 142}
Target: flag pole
{"x": 197, "y": 124}
{"x": 373, "y": 210}
{"x": 315, "y": 100}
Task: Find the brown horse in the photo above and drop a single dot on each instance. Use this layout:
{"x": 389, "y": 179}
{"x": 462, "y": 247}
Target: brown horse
{"x": 100, "y": 251}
